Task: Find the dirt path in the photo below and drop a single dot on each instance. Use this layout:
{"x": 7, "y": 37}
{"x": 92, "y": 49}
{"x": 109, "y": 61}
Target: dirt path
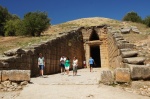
{"x": 83, "y": 86}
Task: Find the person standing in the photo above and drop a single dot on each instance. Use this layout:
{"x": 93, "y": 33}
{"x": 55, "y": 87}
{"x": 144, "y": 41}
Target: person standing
{"x": 84, "y": 64}
{"x": 62, "y": 64}
{"x": 75, "y": 65}
{"x": 41, "y": 64}
{"x": 67, "y": 65}
{"x": 91, "y": 62}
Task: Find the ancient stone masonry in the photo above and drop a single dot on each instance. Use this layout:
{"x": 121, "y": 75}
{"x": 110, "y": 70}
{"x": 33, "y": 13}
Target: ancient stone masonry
{"x": 12, "y": 80}
{"x": 124, "y": 60}
{"x": 69, "y": 44}
{"x": 119, "y": 58}
{"x": 95, "y": 44}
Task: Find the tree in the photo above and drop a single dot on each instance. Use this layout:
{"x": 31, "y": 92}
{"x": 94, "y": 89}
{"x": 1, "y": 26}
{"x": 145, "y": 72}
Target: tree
{"x": 14, "y": 27}
{"x": 4, "y": 16}
{"x": 133, "y": 17}
{"x": 147, "y": 21}
{"x": 36, "y": 22}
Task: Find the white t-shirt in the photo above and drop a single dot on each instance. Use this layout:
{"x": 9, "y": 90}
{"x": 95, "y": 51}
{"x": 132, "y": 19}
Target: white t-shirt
{"x": 62, "y": 60}
{"x": 75, "y": 62}
{"x": 41, "y": 61}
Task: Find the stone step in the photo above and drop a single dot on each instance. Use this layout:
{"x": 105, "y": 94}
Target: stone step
{"x": 125, "y": 45}
{"x": 139, "y": 72}
{"x": 125, "y": 49}
{"x": 134, "y": 60}
{"x": 123, "y": 41}
{"x": 118, "y": 39}
{"x": 129, "y": 54}
{"x": 125, "y": 30}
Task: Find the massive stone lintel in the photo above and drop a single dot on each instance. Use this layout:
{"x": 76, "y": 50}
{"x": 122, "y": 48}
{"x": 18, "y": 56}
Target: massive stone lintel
{"x": 95, "y": 42}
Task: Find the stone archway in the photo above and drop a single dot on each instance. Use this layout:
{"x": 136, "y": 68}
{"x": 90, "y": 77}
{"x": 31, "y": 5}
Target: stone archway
{"x": 95, "y": 49}
{"x": 95, "y": 45}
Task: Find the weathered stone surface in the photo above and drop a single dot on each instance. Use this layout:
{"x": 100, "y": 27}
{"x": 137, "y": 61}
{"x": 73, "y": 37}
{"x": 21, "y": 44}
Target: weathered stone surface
{"x": 7, "y": 59}
{"x": 4, "y": 65}
{"x": 134, "y": 60}
{"x": 139, "y": 72}
{"x": 126, "y": 49}
{"x": 123, "y": 41}
{"x": 135, "y": 29}
{"x": 107, "y": 77}
{"x": 117, "y": 35}
{"x": 139, "y": 84}
{"x": 12, "y": 86}
{"x": 118, "y": 39}
{"x": 129, "y": 54}
{"x": 16, "y": 75}
{"x": 122, "y": 75}
{"x": 13, "y": 52}
{"x": 0, "y": 75}
{"x": 125, "y": 45}
{"x": 125, "y": 30}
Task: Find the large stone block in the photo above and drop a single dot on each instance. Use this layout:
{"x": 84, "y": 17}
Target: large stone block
{"x": 134, "y": 60}
{"x": 107, "y": 77}
{"x": 129, "y": 54}
{"x": 16, "y": 75}
{"x": 122, "y": 75}
{"x": 139, "y": 72}
{"x": 125, "y": 45}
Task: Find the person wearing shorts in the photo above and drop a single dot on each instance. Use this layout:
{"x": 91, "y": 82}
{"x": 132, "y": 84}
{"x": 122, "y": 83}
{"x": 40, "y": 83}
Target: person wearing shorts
{"x": 41, "y": 64}
{"x": 62, "y": 64}
{"x": 67, "y": 65}
{"x": 75, "y": 65}
{"x": 91, "y": 62}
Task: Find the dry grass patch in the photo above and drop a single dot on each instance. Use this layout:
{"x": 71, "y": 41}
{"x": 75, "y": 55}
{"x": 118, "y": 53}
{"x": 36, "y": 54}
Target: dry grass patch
{"x": 134, "y": 37}
{"x": 7, "y": 43}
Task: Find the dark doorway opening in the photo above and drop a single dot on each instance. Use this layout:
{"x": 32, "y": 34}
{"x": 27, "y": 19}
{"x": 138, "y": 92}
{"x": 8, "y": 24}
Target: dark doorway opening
{"x": 95, "y": 54}
{"x": 94, "y": 36}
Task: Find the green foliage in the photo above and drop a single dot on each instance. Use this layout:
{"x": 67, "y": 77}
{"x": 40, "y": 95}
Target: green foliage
{"x": 32, "y": 25}
{"x": 147, "y": 21}
{"x": 35, "y": 23}
{"x": 14, "y": 27}
{"x": 133, "y": 17}
{"x": 9, "y": 28}
{"x": 4, "y": 16}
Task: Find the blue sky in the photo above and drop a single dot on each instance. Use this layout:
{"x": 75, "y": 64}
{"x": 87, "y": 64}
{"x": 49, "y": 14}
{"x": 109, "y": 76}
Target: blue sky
{"x": 60, "y": 11}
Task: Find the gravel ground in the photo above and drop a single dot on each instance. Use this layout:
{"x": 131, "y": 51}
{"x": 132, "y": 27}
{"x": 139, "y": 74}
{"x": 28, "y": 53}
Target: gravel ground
{"x": 83, "y": 86}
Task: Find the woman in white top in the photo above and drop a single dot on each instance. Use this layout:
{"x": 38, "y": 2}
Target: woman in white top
{"x": 41, "y": 64}
{"x": 75, "y": 65}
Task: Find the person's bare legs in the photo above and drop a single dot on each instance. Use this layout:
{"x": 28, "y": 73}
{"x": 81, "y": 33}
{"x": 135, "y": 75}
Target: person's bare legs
{"x": 75, "y": 73}
{"x": 41, "y": 72}
{"x": 67, "y": 71}
{"x": 91, "y": 69}
{"x": 61, "y": 70}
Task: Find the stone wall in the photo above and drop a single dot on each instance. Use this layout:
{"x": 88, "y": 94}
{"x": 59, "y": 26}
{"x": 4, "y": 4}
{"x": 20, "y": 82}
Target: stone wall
{"x": 124, "y": 61}
{"x": 68, "y": 44}
{"x": 115, "y": 60}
